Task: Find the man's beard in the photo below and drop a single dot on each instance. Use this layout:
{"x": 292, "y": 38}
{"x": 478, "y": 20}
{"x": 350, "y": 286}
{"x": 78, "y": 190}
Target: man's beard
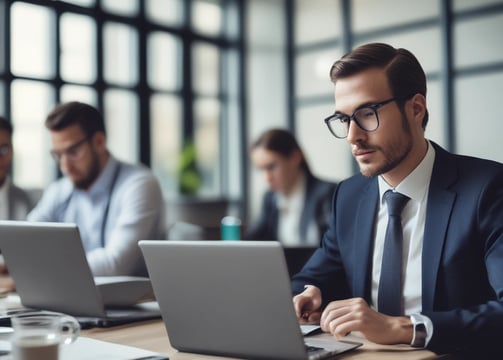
{"x": 393, "y": 156}
{"x": 92, "y": 174}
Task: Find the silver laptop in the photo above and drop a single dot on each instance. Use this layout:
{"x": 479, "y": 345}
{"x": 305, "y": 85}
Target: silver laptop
{"x": 230, "y": 298}
{"x": 48, "y": 264}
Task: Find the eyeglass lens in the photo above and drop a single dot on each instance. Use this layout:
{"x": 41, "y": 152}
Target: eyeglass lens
{"x": 365, "y": 118}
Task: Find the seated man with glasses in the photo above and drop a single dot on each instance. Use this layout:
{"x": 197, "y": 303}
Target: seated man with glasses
{"x": 114, "y": 204}
{"x": 414, "y": 249}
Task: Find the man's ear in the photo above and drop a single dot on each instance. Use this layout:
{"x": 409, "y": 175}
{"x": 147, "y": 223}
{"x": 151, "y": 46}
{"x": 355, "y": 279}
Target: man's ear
{"x": 418, "y": 107}
{"x": 99, "y": 140}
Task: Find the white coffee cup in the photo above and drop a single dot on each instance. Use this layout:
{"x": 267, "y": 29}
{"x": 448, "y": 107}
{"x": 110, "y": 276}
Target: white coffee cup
{"x": 38, "y": 335}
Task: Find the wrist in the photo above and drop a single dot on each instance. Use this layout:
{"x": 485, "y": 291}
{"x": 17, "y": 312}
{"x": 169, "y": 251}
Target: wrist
{"x": 419, "y": 331}
{"x": 404, "y": 329}
{"x": 311, "y": 290}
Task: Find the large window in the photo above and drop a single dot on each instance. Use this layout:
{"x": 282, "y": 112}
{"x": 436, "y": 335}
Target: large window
{"x": 162, "y": 72}
{"x": 457, "y": 42}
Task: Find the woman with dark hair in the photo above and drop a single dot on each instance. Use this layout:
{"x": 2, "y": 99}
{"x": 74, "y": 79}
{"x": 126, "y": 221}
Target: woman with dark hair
{"x": 295, "y": 209}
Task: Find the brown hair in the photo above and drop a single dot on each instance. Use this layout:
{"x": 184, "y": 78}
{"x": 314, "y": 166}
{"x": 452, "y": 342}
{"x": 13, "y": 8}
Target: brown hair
{"x": 405, "y": 75}
{"x": 281, "y": 142}
{"x": 70, "y": 113}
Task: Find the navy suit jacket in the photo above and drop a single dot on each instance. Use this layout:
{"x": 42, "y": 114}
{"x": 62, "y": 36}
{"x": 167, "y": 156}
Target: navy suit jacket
{"x": 462, "y": 258}
{"x": 316, "y": 208}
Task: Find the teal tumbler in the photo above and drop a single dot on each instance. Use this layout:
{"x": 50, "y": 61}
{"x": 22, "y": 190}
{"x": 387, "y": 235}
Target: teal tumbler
{"x": 230, "y": 228}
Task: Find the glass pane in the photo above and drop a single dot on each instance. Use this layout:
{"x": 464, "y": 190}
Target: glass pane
{"x": 33, "y": 167}
{"x": 232, "y": 66}
{"x": 207, "y": 16}
{"x": 207, "y": 139}
{"x": 470, "y": 4}
{"x": 164, "y": 53}
{"x": 205, "y": 69}
{"x": 232, "y": 152}
{"x": 425, "y": 44}
{"x": 436, "y": 129}
{"x": 312, "y": 72}
{"x": 478, "y": 109}
{"x": 166, "y": 140}
{"x": 317, "y": 20}
{"x": 477, "y": 41}
{"x": 31, "y": 40}
{"x": 78, "y": 58}
{"x": 370, "y": 14}
{"x": 122, "y": 124}
{"x": 320, "y": 146}
{"x": 87, "y": 3}
{"x": 121, "y": 7}
{"x": 120, "y": 54}
{"x": 231, "y": 20}
{"x": 266, "y": 27}
{"x": 164, "y": 12}
{"x": 79, "y": 93}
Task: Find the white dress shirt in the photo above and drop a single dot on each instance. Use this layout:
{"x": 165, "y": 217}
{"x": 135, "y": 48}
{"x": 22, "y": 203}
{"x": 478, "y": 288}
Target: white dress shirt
{"x": 415, "y": 186}
{"x": 289, "y": 216}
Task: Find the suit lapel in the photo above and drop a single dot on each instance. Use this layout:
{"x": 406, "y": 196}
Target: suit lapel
{"x": 439, "y": 208}
{"x": 364, "y": 235}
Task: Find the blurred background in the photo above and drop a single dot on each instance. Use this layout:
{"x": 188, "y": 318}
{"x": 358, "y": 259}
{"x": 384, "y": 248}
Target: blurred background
{"x": 186, "y": 85}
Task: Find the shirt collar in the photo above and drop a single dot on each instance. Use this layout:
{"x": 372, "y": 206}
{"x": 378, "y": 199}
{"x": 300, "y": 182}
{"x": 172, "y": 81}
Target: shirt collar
{"x": 103, "y": 183}
{"x": 296, "y": 195}
{"x": 416, "y": 183}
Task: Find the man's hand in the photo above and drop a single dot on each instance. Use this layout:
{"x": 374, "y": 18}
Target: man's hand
{"x": 343, "y": 316}
{"x": 307, "y": 305}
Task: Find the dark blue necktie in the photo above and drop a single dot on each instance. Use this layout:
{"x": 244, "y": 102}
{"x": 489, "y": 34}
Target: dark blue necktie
{"x": 389, "y": 297}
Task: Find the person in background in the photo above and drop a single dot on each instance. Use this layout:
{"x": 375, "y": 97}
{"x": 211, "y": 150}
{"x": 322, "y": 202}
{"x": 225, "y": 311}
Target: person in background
{"x": 114, "y": 204}
{"x": 296, "y": 207}
{"x": 449, "y": 271}
{"x": 15, "y": 203}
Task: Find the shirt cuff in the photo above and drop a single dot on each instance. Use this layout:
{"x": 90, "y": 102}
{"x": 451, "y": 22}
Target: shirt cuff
{"x": 428, "y": 324}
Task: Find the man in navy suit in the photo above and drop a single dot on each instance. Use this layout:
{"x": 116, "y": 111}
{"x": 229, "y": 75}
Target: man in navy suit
{"x": 452, "y": 263}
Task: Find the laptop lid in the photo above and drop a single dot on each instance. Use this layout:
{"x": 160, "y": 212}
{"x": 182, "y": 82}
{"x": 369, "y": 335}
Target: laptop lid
{"x": 49, "y": 266}
{"x": 229, "y": 298}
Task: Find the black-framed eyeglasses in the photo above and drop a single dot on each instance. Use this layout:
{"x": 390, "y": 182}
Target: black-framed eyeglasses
{"x": 366, "y": 117}
{"x": 72, "y": 152}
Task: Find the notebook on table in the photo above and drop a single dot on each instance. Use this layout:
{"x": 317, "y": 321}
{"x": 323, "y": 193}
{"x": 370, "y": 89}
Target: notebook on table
{"x": 230, "y": 298}
{"x": 48, "y": 264}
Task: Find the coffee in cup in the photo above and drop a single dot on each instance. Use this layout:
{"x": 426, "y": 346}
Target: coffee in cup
{"x": 37, "y": 335}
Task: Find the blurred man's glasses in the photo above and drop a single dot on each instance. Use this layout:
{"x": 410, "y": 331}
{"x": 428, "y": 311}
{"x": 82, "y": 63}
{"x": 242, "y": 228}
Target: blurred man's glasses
{"x": 366, "y": 117}
{"x": 72, "y": 152}
{"x": 5, "y": 150}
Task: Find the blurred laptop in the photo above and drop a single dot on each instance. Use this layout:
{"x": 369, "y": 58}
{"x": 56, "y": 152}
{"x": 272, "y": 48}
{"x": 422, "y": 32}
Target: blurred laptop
{"x": 230, "y": 298}
{"x": 49, "y": 266}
